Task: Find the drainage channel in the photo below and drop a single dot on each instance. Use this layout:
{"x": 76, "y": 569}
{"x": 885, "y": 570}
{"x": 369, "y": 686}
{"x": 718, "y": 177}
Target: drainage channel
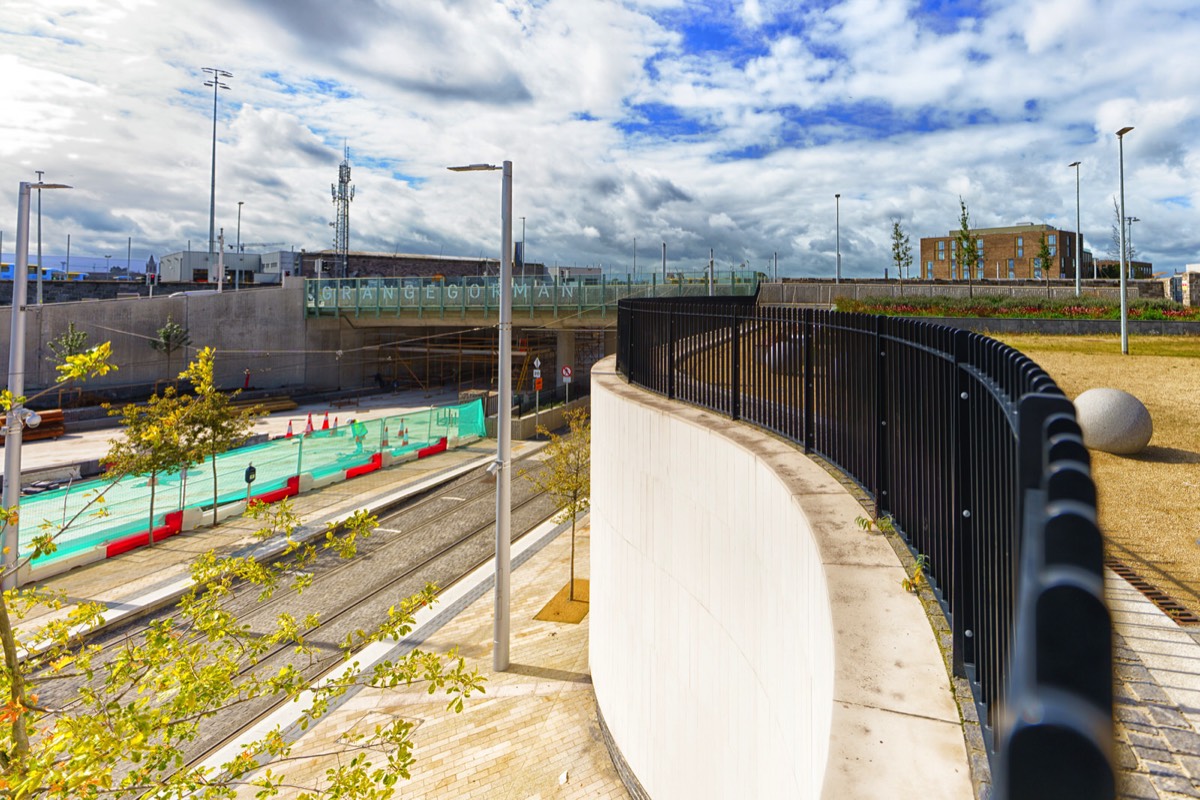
{"x": 1165, "y": 602}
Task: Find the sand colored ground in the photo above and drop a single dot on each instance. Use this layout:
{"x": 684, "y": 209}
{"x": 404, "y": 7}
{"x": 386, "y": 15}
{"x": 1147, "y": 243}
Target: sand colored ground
{"x": 1149, "y": 503}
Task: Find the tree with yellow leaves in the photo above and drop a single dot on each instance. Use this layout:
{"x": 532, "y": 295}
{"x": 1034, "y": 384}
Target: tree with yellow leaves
{"x": 568, "y": 474}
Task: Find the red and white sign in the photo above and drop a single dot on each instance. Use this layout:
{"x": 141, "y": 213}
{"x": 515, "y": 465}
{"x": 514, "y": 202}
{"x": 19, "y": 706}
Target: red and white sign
{"x": 566, "y": 373}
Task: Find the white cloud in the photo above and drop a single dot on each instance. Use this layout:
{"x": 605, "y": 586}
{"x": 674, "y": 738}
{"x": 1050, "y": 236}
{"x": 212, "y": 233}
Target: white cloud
{"x": 749, "y": 116}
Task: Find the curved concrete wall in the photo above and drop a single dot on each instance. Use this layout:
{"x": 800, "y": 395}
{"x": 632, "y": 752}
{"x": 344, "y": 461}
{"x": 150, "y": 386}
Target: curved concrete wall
{"x": 747, "y": 639}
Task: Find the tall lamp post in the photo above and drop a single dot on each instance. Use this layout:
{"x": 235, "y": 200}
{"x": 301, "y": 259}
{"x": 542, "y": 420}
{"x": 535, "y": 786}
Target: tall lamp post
{"x": 40, "y": 173}
{"x": 215, "y": 83}
{"x": 237, "y": 276}
{"x": 1078, "y": 232}
{"x": 837, "y": 221}
{"x": 1124, "y": 299}
{"x": 501, "y": 468}
{"x": 18, "y": 415}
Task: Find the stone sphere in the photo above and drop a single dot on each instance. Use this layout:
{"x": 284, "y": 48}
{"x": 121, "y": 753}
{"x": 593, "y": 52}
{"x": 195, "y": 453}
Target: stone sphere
{"x": 1113, "y": 421}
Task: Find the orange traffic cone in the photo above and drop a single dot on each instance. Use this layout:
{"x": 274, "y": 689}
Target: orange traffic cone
{"x": 288, "y": 435}
{"x": 308, "y": 429}
{"x": 325, "y": 424}
{"x": 405, "y": 438}
{"x": 385, "y": 441}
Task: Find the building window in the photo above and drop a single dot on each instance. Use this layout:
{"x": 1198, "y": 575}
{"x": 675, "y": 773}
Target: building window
{"x": 1012, "y": 270}
{"x": 941, "y": 253}
{"x": 1037, "y": 268}
{"x": 1020, "y": 247}
{"x": 928, "y": 270}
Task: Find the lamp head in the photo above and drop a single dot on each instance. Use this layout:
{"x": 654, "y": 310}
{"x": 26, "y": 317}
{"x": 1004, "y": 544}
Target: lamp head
{"x": 474, "y": 168}
{"x": 1124, "y": 131}
{"x": 1074, "y": 164}
{"x": 494, "y": 468}
{"x": 33, "y": 419}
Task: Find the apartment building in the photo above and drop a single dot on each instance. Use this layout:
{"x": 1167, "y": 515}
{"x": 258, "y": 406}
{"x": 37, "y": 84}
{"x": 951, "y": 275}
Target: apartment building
{"x": 1009, "y": 253}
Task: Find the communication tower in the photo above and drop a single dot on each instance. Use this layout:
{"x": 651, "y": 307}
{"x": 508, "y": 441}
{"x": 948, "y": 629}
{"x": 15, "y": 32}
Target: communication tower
{"x": 343, "y": 193}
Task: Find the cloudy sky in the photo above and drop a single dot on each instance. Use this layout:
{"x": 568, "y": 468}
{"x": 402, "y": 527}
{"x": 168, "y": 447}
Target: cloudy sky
{"x": 699, "y": 123}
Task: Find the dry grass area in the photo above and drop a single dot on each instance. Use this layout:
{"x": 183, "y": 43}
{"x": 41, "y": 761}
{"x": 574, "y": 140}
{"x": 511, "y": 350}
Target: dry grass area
{"x": 563, "y": 609}
{"x": 1149, "y": 503}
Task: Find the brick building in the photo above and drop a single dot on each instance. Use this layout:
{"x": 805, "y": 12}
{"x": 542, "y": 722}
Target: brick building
{"x": 1008, "y": 253}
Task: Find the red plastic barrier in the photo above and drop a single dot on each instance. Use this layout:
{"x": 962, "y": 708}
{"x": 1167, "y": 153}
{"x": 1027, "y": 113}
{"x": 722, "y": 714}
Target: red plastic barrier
{"x": 433, "y": 449}
{"x": 174, "y": 523}
{"x": 375, "y": 463}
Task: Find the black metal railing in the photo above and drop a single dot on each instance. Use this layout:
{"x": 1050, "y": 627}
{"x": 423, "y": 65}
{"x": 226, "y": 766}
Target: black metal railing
{"x": 974, "y": 453}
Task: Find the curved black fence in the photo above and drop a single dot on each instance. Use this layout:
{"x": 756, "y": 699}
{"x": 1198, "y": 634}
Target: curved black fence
{"x": 974, "y": 453}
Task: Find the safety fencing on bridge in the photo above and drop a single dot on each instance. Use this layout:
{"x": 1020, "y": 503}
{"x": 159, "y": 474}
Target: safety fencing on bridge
{"x": 104, "y": 518}
{"x": 975, "y": 455}
{"x": 457, "y": 296}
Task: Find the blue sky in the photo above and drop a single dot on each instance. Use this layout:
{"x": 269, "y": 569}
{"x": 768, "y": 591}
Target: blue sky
{"x": 708, "y": 124}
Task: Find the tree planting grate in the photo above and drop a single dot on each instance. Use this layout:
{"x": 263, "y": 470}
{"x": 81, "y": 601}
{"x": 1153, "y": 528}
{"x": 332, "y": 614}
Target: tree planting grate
{"x": 1167, "y": 604}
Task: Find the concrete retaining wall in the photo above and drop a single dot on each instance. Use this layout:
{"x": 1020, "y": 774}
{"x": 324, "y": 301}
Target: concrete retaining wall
{"x": 747, "y": 639}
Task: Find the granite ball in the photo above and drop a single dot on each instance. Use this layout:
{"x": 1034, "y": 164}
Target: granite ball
{"x": 1113, "y": 421}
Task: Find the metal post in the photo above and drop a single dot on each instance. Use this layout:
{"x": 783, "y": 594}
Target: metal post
{"x": 504, "y": 433}
{"x": 1078, "y": 234}
{"x": 39, "y": 238}
{"x": 217, "y": 75}
{"x": 664, "y": 263}
{"x": 221, "y": 261}
{"x": 16, "y": 385}
{"x": 1124, "y": 295}
{"x": 237, "y": 276}
{"x": 837, "y": 210}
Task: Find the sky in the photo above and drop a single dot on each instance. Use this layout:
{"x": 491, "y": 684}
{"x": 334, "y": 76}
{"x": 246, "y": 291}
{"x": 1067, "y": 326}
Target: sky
{"x": 695, "y": 123}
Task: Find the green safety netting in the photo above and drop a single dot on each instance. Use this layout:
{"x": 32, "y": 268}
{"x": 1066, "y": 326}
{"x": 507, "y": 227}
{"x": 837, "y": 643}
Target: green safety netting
{"x": 98, "y": 512}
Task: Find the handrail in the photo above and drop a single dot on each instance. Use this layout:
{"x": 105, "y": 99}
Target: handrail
{"x": 975, "y": 454}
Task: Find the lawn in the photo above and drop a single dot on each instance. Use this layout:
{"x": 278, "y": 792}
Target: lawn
{"x": 1149, "y": 503}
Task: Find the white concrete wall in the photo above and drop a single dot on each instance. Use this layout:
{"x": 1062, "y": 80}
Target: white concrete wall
{"x": 711, "y": 633}
{"x": 747, "y": 638}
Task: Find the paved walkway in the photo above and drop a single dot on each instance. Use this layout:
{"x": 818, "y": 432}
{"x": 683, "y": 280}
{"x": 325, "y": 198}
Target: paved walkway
{"x": 1157, "y": 698}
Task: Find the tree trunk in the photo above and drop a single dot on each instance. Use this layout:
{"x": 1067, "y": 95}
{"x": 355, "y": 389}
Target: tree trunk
{"x": 153, "y": 489}
{"x": 214, "y": 472}
{"x": 571, "y": 592}
{"x": 16, "y": 692}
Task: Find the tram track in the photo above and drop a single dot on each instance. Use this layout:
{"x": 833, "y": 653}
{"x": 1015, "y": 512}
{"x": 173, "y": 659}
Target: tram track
{"x": 436, "y": 537}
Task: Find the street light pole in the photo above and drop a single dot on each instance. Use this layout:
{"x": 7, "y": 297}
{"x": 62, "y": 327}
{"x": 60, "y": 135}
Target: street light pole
{"x": 1124, "y": 298}
{"x": 1078, "y": 232}
{"x": 215, "y": 83}
{"x": 501, "y": 468}
{"x": 837, "y": 267}
{"x": 17, "y": 415}
{"x": 237, "y": 276}
{"x": 40, "y": 173}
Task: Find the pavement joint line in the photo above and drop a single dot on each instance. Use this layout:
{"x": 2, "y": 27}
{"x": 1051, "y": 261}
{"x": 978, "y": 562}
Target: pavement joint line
{"x": 453, "y": 601}
{"x": 165, "y": 594}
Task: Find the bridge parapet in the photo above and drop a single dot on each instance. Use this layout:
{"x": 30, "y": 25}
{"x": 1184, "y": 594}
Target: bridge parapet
{"x": 429, "y": 297}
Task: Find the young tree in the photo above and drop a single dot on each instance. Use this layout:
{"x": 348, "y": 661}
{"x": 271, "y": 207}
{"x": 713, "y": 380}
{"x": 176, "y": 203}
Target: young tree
{"x": 128, "y": 730}
{"x": 901, "y": 251}
{"x": 1044, "y": 258}
{"x": 212, "y": 424}
{"x": 70, "y": 342}
{"x": 568, "y": 475}
{"x": 968, "y": 250}
{"x": 152, "y": 445}
{"x": 170, "y": 337}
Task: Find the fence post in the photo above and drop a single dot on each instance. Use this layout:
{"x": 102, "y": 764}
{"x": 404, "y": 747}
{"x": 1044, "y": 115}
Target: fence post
{"x": 881, "y": 431}
{"x": 735, "y": 363}
{"x": 670, "y": 353}
{"x": 963, "y": 601}
{"x": 807, "y": 332}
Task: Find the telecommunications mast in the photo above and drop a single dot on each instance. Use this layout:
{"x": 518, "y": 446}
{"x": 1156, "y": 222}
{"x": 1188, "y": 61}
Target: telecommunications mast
{"x": 343, "y": 193}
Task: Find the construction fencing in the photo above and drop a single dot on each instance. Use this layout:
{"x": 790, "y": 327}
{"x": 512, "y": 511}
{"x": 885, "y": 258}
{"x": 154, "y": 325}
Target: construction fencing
{"x": 123, "y": 514}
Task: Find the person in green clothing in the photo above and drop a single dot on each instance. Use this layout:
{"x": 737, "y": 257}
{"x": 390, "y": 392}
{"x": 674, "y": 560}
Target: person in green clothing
{"x": 359, "y": 429}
